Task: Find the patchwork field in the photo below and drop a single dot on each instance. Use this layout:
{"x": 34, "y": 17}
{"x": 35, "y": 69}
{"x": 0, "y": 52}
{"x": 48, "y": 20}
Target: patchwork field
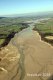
{"x": 8, "y": 28}
{"x": 45, "y": 29}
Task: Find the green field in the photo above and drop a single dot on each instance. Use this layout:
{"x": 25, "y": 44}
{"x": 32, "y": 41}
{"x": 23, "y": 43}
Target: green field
{"x": 9, "y": 26}
{"x": 1, "y": 41}
{"x": 45, "y": 28}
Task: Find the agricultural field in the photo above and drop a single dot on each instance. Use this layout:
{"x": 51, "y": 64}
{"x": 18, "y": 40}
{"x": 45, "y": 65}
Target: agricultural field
{"x": 45, "y": 29}
{"x": 10, "y": 26}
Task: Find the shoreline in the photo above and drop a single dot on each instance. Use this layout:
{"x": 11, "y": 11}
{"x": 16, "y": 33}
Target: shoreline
{"x": 9, "y": 37}
{"x": 43, "y": 37}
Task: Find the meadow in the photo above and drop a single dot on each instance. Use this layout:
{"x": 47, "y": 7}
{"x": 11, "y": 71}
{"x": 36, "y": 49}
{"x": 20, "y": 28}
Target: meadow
{"x": 45, "y": 29}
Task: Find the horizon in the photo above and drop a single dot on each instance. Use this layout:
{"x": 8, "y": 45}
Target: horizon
{"x": 28, "y": 14}
{"x": 18, "y": 7}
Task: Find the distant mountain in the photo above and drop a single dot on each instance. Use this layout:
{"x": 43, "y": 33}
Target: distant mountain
{"x": 37, "y": 14}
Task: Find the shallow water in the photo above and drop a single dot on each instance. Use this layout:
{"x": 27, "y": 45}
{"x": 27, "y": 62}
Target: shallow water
{"x": 36, "y": 55}
{"x": 35, "y": 60}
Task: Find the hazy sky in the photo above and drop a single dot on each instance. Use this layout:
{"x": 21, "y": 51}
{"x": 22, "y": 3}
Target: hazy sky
{"x": 24, "y": 6}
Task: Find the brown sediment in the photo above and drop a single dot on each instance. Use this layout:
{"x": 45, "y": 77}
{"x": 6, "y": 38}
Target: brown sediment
{"x": 44, "y": 35}
{"x": 9, "y": 63}
{"x": 27, "y": 54}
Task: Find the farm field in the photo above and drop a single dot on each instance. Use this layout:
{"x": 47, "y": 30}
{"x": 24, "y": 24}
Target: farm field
{"x": 45, "y": 29}
{"x": 8, "y": 28}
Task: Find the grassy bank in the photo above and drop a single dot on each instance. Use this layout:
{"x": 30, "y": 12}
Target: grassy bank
{"x": 1, "y": 41}
{"x": 45, "y": 28}
{"x": 8, "y": 31}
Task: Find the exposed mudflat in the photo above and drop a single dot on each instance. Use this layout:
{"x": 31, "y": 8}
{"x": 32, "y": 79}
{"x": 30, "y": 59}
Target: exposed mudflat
{"x": 26, "y": 57}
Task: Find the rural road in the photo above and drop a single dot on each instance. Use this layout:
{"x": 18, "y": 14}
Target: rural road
{"x": 36, "y": 57}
